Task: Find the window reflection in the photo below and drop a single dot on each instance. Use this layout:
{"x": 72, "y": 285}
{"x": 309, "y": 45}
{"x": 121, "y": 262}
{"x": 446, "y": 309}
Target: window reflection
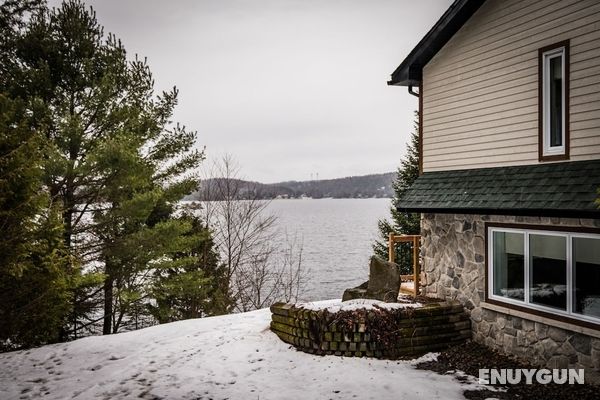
{"x": 509, "y": 265}
{"x": 556, "y": 100}
{"x": 586, "y": 276}
{"x": 548, "y": 270}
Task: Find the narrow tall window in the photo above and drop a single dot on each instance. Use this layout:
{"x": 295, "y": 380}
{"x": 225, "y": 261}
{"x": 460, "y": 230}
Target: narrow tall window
{"x": 556, "y": 109}
{"x": 554, "y": 102}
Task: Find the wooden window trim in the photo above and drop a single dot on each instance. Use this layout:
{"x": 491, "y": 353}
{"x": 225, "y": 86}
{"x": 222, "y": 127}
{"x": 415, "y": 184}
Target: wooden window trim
{"x": 554, "y": 157}
{"x": 525, "y": 309}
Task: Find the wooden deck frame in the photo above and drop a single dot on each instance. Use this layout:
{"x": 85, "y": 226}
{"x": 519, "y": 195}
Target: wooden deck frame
{"x": 416, "y": 242}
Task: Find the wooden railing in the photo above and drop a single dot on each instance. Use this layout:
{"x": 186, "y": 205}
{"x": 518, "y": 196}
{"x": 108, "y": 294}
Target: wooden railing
{"x": 415, "y": 240}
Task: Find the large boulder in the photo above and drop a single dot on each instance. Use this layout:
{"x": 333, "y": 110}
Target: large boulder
{"x": 383, "y": 284}
{"x": 358, "y": 292}
{"x": 384, "y": 280}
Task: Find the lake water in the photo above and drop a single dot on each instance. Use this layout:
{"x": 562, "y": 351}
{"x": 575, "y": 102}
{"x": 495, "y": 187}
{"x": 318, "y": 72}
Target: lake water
{"x": 337, "y": 236}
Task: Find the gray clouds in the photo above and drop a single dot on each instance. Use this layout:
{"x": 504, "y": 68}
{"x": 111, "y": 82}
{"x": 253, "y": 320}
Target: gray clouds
{"x": 288, "y": 87}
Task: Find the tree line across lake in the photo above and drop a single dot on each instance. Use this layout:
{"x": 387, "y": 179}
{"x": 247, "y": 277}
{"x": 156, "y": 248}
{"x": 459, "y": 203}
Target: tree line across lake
{"x": 352, "y": 187}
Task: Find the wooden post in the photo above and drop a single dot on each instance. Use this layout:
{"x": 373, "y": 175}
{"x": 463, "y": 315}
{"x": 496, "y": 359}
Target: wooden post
{"x": 416, "y": 243}
{"x": 391, "y": 250}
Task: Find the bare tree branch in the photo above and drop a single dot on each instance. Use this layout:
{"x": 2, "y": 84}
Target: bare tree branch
{"x": 246, "y": 235}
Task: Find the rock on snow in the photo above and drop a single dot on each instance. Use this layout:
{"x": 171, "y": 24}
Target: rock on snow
{"x": 234, "y": 357}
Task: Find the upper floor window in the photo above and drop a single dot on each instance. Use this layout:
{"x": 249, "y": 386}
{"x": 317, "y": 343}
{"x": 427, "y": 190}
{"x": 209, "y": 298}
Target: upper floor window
{"x": 554, "y": 102}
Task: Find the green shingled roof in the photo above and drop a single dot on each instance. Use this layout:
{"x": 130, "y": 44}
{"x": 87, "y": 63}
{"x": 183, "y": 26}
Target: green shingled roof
{"x": 553, "y": 189}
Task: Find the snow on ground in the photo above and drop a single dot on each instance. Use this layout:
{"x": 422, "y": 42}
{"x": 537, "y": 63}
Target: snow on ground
{"x": 229, "y": 357}
{"x": 356, "y": 304}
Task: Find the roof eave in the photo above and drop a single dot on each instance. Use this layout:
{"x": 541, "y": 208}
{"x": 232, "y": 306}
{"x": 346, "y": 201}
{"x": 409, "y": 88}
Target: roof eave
{"x": 408, "y": 77}
{"x": 409, "y": 72}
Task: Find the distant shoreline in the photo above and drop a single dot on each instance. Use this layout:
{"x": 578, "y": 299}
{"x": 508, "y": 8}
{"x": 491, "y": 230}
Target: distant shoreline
{"x": 352, "y": 187}
{"x": 301, "y": 199}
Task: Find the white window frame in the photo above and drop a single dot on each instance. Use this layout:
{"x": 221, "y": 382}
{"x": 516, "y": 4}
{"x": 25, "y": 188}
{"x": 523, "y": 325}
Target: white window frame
{"x": 546, "y": 57}
{"x": 569, "y": 236}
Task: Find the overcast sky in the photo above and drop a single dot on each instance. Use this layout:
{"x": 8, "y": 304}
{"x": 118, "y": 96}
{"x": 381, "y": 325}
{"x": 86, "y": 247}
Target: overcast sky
{"x": 290, "y": 88}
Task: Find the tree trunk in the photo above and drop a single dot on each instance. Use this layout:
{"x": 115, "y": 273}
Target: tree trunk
{"x": 68, "y": 218}
{"x": 108, "y": 301}
{"x": 69, "y": 189}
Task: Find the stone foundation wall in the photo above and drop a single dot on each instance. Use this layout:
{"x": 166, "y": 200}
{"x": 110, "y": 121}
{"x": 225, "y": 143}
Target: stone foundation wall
{"x": 358, "y": 333}
{"x": 453, "y": 265}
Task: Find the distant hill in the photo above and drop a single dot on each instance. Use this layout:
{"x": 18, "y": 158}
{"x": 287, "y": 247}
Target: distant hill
{"x": 366, "y": 186}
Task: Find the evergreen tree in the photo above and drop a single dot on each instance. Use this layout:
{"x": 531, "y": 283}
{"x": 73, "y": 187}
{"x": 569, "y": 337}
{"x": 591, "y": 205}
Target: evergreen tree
{"x": 116, "y": 155}
{"x": 402, "y": 222}
{"x": 191, "y": 290}
{"x": 146, "y": 165}
{"x": 80, "y": 80}
{"x": 110, "y": 161}
{"x": 34, "y": 283}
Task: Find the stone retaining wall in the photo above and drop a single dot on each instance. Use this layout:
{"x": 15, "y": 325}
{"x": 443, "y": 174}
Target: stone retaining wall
{"x": 381, "y": 333}
{"x": 453, "y": 265}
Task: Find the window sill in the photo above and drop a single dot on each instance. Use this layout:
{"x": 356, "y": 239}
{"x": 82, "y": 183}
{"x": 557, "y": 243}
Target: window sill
{"x": 543, "y": 320}
{"x": 553, "y": 157}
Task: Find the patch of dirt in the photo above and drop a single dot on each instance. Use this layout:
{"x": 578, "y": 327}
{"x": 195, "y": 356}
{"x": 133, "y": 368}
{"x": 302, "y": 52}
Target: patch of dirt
{"x": 471, "y": 357}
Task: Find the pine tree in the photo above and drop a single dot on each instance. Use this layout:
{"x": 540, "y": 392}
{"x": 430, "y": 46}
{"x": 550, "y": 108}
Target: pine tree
{"x": 112, "y": 160}
{"x": 140, "y": 183}
{"x": 191, "y": 289}
{"x": 79, "y": 81}
{"x": 402, "y": 222}
{"x": 34, "y": 282}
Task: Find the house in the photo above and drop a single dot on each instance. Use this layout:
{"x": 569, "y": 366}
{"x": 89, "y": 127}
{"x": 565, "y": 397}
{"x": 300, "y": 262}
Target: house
{"x": 509, "y": 99}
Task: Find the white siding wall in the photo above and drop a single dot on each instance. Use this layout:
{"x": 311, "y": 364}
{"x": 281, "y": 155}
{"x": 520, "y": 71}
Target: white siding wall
{"x": 480, "y": 91}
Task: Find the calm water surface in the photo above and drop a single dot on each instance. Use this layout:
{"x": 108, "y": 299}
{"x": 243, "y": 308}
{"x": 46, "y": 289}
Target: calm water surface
{"x": 337, "y": 235}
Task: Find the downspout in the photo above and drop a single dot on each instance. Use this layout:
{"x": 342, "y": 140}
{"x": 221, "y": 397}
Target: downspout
{"x": 419, "y": 95}
{"x": 411, "y": 91}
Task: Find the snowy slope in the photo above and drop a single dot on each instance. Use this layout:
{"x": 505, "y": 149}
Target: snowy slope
{"x": 234, "y": 356}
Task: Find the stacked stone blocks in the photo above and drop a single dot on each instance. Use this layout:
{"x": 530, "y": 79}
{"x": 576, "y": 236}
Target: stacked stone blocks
{"x": 417, "y": 331}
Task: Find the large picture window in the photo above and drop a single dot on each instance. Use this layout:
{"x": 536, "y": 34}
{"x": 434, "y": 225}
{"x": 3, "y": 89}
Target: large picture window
{"x": 554, "y": 101}
{"x": 554, "y": 272}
